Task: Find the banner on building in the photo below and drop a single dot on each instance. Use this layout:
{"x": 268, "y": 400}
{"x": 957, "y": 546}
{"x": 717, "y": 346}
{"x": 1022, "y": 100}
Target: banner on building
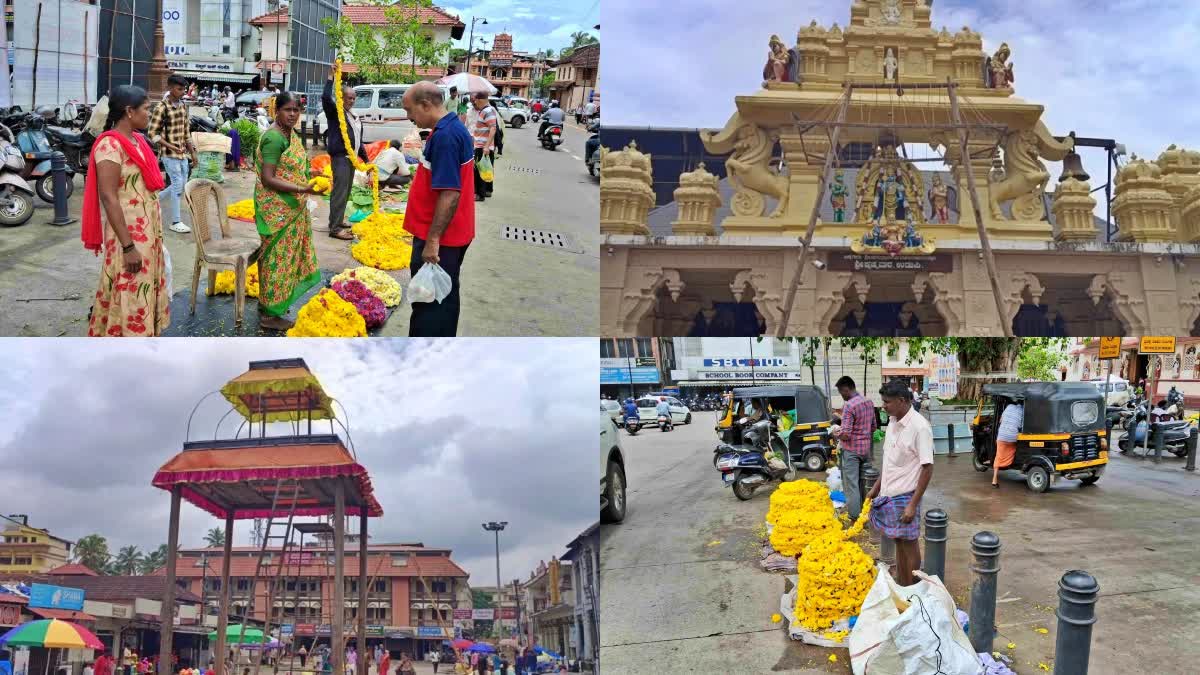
{"x": 483, "y": 614}
{"x": 508, "y": 612}
{"x": 462, "y": 614}
{"x": 430, "y": 632}
{"x": 56, "y": 597}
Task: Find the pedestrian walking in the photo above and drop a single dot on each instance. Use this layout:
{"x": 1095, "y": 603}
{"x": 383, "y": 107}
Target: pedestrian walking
{"x": 168, "y": 127}
{"x": 385, "y": 661}
{"x": 857, "y": 424}
{"x": 906, "y": 472}
{"x": 1006, "y": 439}
{"x": 406, "y": 665}
{"x": 440, "y": 213}
{"x": 339, "y": 154}
{"x": 303, "y": 655}
{"x": 436, "y": 658}
{"x": 484, "y": 132}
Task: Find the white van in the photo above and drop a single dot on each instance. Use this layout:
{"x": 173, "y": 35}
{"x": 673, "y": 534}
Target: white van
{"x": 381, "y": 109}
{"x": 1119, "y": 391}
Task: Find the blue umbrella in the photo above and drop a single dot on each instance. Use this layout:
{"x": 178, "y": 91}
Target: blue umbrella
{"x": 540, "y": 650}
{"x": 482, "y": 648}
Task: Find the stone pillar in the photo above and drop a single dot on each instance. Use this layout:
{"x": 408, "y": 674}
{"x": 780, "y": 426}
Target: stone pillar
{"x": 698, "y": 198}
{"x": 968, "y": 58}
{"x": 626, "y": 190}
{"x": 803, "y": 177}
{"x": 1072, "y": 208}
{"x": 1142, "y": 205}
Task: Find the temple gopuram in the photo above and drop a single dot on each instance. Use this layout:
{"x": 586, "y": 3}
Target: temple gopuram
{"x": 923, "y": 178}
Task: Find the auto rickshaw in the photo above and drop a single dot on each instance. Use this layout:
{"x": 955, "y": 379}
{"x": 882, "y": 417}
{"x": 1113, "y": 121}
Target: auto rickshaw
{"x": 800, "y": 420}
{"x": 1064, "y": 433}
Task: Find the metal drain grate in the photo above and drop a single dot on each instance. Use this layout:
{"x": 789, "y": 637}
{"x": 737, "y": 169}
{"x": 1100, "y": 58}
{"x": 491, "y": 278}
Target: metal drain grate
{"x": 543, "y": 238}
{"x": 524, "y": 169}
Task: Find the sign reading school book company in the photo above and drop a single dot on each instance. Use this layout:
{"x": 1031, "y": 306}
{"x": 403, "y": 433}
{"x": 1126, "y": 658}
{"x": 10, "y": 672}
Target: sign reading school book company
{"x": 56, "y": 597}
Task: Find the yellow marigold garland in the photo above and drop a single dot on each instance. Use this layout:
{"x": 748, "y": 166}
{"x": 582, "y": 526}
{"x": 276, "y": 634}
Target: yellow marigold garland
{"x": 326, "y": 314}
{"x": 358, "y": 163}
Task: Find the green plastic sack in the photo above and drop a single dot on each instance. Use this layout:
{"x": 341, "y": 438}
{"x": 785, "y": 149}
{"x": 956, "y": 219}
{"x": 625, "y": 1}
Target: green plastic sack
{"x": 485, "y": 169}
{"x": 209, "y": 165}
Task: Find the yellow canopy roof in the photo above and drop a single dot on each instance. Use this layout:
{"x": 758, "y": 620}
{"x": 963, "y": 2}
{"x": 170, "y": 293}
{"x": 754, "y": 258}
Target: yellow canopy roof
{"x": 284, "y": 390}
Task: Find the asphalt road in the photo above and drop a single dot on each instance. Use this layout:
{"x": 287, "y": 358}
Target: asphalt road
{"x": 684, "y": 592}
{"x": 509, "y": 288}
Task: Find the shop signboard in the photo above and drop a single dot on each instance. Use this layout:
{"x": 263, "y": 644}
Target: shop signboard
{"x": 745, "y": 363}
{"x": 305, "y": 629}
{"x": 1157, "y": 345}
{"x": 508, "y": 612}
{"x": 55, "y": 597}
{"x": 887, "y": 263}
{"x": 622, "y": 375}
{"x": 430, "y": 632}
{"x": 482, "y": 614}
{"x": 746, "y": 374}
{"x": 323, "y": 629}
{"x": 399, "y": 632}
{"x": 287, "y": 629}
{"x": 375, "y": 631}
{"x": 1110, "y": 347}
{"x": 462, "y": 614}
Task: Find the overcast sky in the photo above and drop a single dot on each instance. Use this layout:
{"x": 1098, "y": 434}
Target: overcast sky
{"x": 1123, "y": 69}
{"x": 534, "y": 24}
{"x": 454, "y": 433}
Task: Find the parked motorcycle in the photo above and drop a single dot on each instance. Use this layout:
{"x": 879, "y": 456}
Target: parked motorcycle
{"x": 1175, "y": 432}
{"x": 35, "y": 144}
{"x": 16, "y": 197}
{"x": 592, "y": 149}
{"x": 746, "y": 468}
{"x": 552, "y": 137}
{"x": 75, "y": 145}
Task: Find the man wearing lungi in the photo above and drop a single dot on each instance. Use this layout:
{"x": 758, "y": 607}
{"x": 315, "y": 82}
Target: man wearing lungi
{"x": 907, "y": 468}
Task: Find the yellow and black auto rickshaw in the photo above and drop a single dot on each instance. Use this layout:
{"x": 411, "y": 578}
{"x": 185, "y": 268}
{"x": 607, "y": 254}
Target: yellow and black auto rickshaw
{"x": 800, "y": 420}
{"x": 1063, "y": 434}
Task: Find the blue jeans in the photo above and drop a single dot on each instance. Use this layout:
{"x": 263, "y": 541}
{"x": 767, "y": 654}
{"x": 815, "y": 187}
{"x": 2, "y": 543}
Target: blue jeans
{"x": 177, "y": 169}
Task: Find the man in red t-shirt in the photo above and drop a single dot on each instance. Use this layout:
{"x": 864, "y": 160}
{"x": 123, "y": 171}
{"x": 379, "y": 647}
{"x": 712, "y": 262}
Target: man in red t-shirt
{"x": 441, "y": 205}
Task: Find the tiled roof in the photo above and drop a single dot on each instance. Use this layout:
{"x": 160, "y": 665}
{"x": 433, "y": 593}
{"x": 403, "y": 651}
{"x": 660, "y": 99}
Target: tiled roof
{"x": 381, "y": 566}
{"x": 368, "y": 14}
{"x": 587, "y": 56}
{"x": 116, "y": 588}
{"x": 371, "y": 548}
{"x": 73, "y": 568}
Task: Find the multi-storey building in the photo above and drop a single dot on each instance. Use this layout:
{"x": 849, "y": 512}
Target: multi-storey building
{"x": 584, "y": 554}
{"x": 512, "y": 73}
{"x": 577, "y": 78}
{"x": 28, "y": 550}
{"x": 548, "y": 607}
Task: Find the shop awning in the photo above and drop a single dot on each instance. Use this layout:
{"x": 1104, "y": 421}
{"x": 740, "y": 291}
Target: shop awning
{"x": 238, "y": 78}
{"x": 64, "y": 614}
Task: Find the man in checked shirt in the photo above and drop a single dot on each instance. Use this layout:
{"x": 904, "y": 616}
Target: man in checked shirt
{"x": 858, "y": 421}
{"x": 168, "y": 128}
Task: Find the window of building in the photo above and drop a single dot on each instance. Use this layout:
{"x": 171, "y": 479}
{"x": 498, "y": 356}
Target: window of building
{"x": 212, "y": 585}
{"x": 625, "y": 347}
{"x": 608, "y": 348}
{"x": 645, "y": 347}
{"x": 380, "y": 586}
{"x": 399, "y": 560}
{"x": 243, "y": 584}
{"x": 5, "y": 561}
{"x": 439, "y": 587}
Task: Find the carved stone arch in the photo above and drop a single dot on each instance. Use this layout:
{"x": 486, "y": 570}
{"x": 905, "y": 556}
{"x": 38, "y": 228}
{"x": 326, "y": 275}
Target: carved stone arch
{"x": 831, "y": 301}
{"x": 1189, "y": 306}
{"x": 1130, "y": 308}
{"x": 641, "y": 295}
{"x": 950, "y": 305}
{"x": 767, "y": 298}
{"x": 1017, "y": 285}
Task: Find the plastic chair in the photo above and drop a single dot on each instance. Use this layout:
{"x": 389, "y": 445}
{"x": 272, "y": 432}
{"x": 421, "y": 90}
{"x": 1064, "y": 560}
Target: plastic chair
{"x": 206, "y": 203}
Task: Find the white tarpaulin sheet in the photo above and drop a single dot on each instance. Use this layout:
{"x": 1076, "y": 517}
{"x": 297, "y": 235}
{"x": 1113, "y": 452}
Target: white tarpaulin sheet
{"x": 66, "y": 41}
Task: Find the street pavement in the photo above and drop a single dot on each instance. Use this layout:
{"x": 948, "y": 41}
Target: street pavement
{"x": 684, "y": 592}
{"x": 48, "y": 280}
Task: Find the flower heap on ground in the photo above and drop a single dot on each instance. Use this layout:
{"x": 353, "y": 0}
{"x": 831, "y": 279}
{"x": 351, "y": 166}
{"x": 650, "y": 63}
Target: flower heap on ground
{"x": 366, "y": 303}
{"x": 380, "y": 283}
{"x": 320, "y": 183}
{"x": 358, "y": 163}
{"x": 242, "y": 210}
{"x": 328, "y": 315}
{"x": 801, "y": 510}
{"x": 834, "y": 576}
{"x": 382, "y": 244}
{"x": 227, "y": 282}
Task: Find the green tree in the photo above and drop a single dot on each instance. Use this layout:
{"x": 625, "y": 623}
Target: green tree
{"x": 392, "y": 52}
{"x": 481, "y": 599}
{"x": 578, "y": 39}
{"x": 128, "y": 561}
{"x": 154, "y": 559}
{"x": 1040, "y": 361}
{"x": 92, "y": 552}
{"x": 215, "y": 537}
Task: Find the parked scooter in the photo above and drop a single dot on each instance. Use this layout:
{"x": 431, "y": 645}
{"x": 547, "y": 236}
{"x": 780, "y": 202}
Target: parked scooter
{"x": 74, "y": 144}
{"x": 1175, "y": 432}
{"x": 16, "y": 197}
{"x": 552, "y": 137}
{"x": 747, "y": 467}
{"x": 591, "y": 155}
{"x": 35, "y": 144}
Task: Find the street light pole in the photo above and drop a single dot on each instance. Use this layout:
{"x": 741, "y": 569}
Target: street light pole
{"x": 496, "y": 528}
{"x": 156, "y": 81}
{"x": 471, "y": 40}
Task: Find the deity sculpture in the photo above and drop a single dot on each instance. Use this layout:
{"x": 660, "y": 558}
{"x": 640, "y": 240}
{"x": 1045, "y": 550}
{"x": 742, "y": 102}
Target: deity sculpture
{"x": 909, "y": 325}
{"x": 837, "y": 197}
{"x": 939, "y": 199}
{"x": 891, "y": 12}
{"x": 1002, "y": 70}
{"x": 889, "y": 65}
{"x": 891, "y": 203}
{"x": 779, "y": 62}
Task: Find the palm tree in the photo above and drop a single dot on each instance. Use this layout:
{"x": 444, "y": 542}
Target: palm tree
{"x": 155, "y": 559}
{"x": 92, "y": 552}
{"x": 128, "y": 561}
{"x": 580, "y": 38}
{"x": 215, "y": 537}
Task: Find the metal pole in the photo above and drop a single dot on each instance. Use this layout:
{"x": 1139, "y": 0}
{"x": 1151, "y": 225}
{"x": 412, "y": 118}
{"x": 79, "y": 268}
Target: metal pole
{"x": 499, "y": 588}
{"x": 470, "y": 45}
{"x": 825, "y": 356}
{"x": 166, "y": 615}
{"x": 58, "y": 165}
{"x": 223, "y": 617}
{"x": 870, "y": 476}
{"x": 988, "y": 258}
{"x": 629, "y": 367}
{"x": 1191, "y": 447}
{"x": 362, "y": 665}
{"x": 935, "y": 542}
{"x": 1107, "y": 384}
{"x": 1156, "y": 436}
{"x": 986, "y": 548}
{"x": 1077, "y": 594}
{"x": 806, "y": 243}
{"x": 752, "y": 375}
{"x": 337, "y": 652}
{"x": 950, "y": 433}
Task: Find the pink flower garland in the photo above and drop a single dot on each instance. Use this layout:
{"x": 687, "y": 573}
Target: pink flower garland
{"x": 367, "y": 303}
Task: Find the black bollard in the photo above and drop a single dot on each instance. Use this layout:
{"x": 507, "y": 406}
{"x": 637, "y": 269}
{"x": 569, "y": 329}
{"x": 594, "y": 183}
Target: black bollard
{"x": 58, "y": 165}
{"x": 1156, "y": 439}
{"x": 950, "y": 431}
{"x": 316, "y": 132}
{"x": 936, "y": 526}
{"x": 304, "y": 131}
{"x": 870, "y": 475}
{"x": 1191, "y": 449}
{"x": 1077, "y": 593}
{"x": 986, "y": 548}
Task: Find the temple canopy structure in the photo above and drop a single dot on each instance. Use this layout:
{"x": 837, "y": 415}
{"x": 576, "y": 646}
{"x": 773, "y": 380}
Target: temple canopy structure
{"x": 272, "y": 478}
{"x": 886, "y": 180}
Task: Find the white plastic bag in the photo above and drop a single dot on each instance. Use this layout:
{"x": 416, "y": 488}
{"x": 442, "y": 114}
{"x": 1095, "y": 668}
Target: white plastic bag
{"x": 166, "y": 255}
{"x": 834, "y": 479}
{"x": 430, "y": 283}
{"x": 909, "y": 630}
{"x": 412, "y": 145}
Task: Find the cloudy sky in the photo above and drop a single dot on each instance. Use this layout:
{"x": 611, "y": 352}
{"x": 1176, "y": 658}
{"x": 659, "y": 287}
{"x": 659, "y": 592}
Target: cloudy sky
{"x": 1123, "y": 69}
{"x": 534, "y": 24}
{"x": 454, "y": 432}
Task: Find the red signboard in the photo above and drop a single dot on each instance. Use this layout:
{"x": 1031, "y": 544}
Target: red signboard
{"x": 508, "y": 612}
{"x": 305, "y": 629}
{"x": 300, "y": 558}
{"x": 462, "y": 614}
{"x": 10, "y": 615}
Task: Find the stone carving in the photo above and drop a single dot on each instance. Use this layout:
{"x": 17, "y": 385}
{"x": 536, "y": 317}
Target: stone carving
{"x": 748, "y": 167}
{"x": 950, "y": 305}
{"x": 1072, "y": 208}
{"x": 697, "y": 197}
{"x": 837, "y": 197}
{"x": 1001, "y": 70}
{"x": 767, "y": 300}
{"x": 641, "y": 294}
{"x": 894, "y": 223}
{"x": 1128, "y": 304}
{"x": 1017, "y": 284}
{"x": 1025, "y": 176}
{"x": 1142, "y": 204}
{"x": 942, "y": 199}
{"x": 1190, "y": 215}
{"x": 830, "y": 302}
{"x": 1189, "y": 310}
{"x": 889, "y": 66}
{"x": 890, "y": 12}
{"x": 779, "y": 67}
{"x": 866, "y": 61}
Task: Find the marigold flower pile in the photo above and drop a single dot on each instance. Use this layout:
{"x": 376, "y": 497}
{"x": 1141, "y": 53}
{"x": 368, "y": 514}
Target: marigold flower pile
{"x": 382, "y": 244}
{"x": 242, "y": 210}
{"x": 834, "y": 574}
{"x": 227, "y": 282}
{"x": 320, "y": 183}
{"x": 326, "y": 314}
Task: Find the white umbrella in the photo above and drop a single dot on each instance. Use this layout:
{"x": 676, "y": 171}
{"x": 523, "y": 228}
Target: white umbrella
{"x": 468, "y": 83}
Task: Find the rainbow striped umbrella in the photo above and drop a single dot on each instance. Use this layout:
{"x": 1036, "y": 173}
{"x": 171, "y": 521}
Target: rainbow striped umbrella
{"x": 51, "y": 633}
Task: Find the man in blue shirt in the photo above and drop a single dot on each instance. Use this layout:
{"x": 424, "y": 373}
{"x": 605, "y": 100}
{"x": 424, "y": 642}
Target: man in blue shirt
{"x": 663, "y": 408}
{"x": 554, "y": 116}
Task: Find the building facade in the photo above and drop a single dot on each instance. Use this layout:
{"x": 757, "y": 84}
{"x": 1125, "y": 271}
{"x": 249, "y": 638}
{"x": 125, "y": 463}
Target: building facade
{"x": 512, "y": 73}
{"x": 504, "y": 606}
{"x": 577, "y": 78}
{"x": 548, "y": 604}
{"x": 896, "y": 249}
{"x": 412, "y": 596}
{"x": 1180, "y": 369}
{"x": 28, "y": 550}
{"x": 633, "y": 366}
{"x": 584, "y": 555}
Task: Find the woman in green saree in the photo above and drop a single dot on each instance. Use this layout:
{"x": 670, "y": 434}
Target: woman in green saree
{"x": 287, "y": 267}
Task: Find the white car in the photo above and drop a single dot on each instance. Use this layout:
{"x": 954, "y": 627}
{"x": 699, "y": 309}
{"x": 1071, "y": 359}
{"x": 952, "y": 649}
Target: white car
{"x": 648, "y": 407}
{"x": 613, "y": 408}
{"x": 515, "y": 117}
{"x": 1119, "y": 390}
{"x": 612, "y": 476}
{"x": 380, "y": 108}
